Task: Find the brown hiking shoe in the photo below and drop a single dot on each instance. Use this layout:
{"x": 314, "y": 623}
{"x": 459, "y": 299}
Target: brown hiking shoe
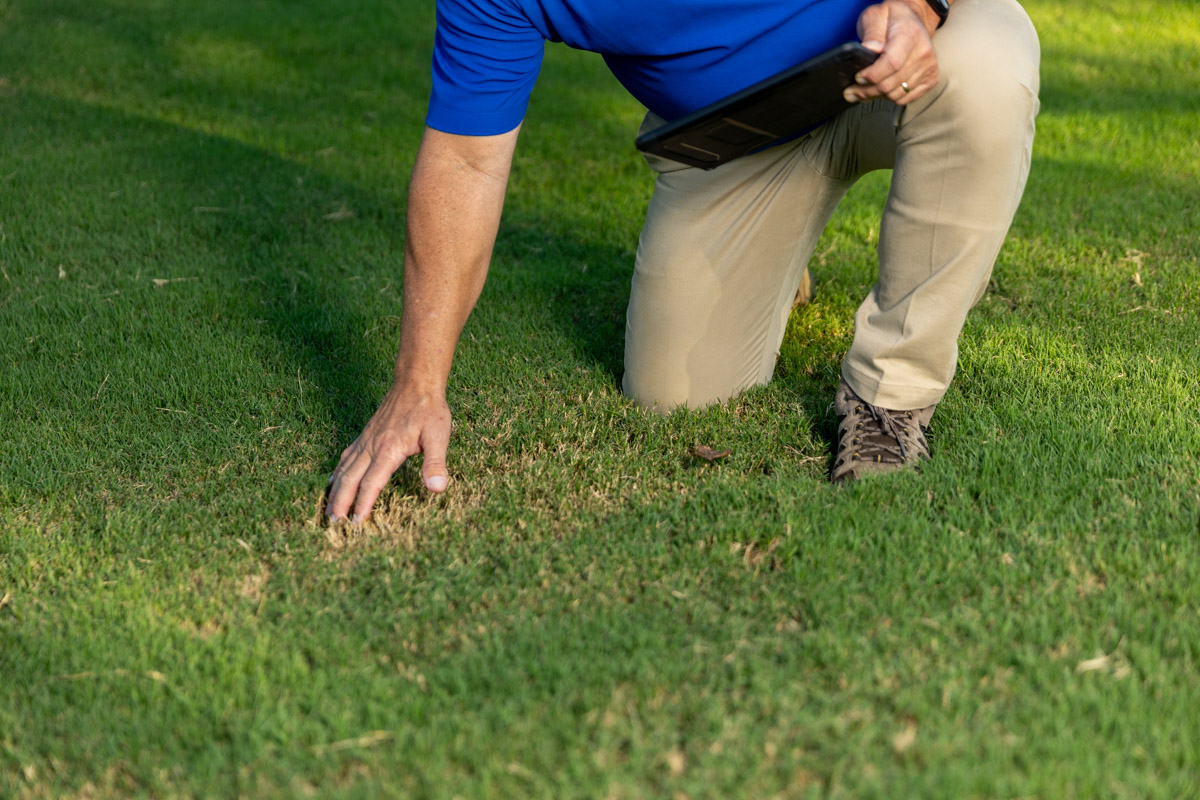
{"x": 873, "y": 440}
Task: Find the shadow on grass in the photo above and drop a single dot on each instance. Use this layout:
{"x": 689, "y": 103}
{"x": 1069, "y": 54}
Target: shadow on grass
{"x": 247, "y": 221}
{"x": 270, "y": 245}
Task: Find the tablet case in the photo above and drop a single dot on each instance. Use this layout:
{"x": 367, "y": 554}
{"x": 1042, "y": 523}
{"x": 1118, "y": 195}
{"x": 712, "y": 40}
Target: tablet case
{"x": 779, "y": 108}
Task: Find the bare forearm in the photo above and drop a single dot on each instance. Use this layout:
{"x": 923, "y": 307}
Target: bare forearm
{"x": 455, "y": 200}
{"x": 454, "y": 206}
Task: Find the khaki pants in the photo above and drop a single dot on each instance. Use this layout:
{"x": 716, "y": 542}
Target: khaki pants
{"x": 723, "y": 251}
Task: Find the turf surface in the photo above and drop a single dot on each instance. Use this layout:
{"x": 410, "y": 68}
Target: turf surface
{"x": 201, "y": 212}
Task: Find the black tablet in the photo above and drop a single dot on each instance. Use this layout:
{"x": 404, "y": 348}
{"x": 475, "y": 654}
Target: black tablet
{"x": 771, "y": 111}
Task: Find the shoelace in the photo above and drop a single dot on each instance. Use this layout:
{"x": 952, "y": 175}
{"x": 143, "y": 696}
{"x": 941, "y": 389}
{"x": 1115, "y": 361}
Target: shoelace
{"x": 890, "y": 426}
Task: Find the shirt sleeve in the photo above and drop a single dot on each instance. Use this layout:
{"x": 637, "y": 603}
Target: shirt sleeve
{"x": 486, "y": 58}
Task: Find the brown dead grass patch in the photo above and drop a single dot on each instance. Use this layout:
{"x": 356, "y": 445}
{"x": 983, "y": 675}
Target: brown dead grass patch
{"x": 253, "y": 586}
{"x": 400, "y": 519}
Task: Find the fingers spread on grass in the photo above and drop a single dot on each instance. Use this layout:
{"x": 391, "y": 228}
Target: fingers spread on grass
{"x": 406, "y": 423}
{"x": 344, "y": 482}
{"x": 376, "y": 477}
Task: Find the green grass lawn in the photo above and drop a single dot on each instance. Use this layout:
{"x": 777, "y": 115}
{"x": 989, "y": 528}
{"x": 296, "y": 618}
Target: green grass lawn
{"x": 201, "y": 228}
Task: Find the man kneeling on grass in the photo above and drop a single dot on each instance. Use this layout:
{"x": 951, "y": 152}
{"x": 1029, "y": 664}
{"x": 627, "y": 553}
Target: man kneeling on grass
{"x": 949, "y": 106}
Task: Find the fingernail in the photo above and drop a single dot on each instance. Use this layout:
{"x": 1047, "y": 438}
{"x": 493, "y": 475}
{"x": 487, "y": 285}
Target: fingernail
{"x": 356, "y": 520}
{"x": 331, "y": 516}
{"x": 850, "y": 96}
{"x": 873, "y": 46}
{"x": 436, "y": 483}
{"x": 859, "y": 79}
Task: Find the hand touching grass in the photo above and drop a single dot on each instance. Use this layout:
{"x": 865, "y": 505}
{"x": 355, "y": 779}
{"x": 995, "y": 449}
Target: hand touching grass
{"x": 407, "y": 423}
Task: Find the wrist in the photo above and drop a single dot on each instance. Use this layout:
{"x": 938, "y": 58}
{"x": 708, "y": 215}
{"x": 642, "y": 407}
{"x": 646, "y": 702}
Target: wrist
{"x": 417, "y": 379}
{"x": 924, "y": 11}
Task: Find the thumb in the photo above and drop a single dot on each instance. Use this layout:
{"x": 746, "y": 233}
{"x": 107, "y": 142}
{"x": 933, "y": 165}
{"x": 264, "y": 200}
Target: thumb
{"x": 433, "y": 464}
{"x": 872, "y": 28}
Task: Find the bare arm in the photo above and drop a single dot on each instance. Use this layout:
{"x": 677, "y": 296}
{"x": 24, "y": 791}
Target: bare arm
{"x": 454, "y": 205}
{"x": 901, "y": 31}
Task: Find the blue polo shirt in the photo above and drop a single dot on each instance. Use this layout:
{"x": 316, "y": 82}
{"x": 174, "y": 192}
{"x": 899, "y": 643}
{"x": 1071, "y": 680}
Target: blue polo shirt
{"x": 674, "y": 56}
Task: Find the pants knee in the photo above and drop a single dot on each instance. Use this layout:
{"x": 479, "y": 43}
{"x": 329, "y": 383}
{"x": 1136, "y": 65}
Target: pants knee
{"x": 989, "y": 58}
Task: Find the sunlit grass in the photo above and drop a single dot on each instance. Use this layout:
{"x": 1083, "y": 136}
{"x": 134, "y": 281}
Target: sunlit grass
{"x": 201, "y": 227}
